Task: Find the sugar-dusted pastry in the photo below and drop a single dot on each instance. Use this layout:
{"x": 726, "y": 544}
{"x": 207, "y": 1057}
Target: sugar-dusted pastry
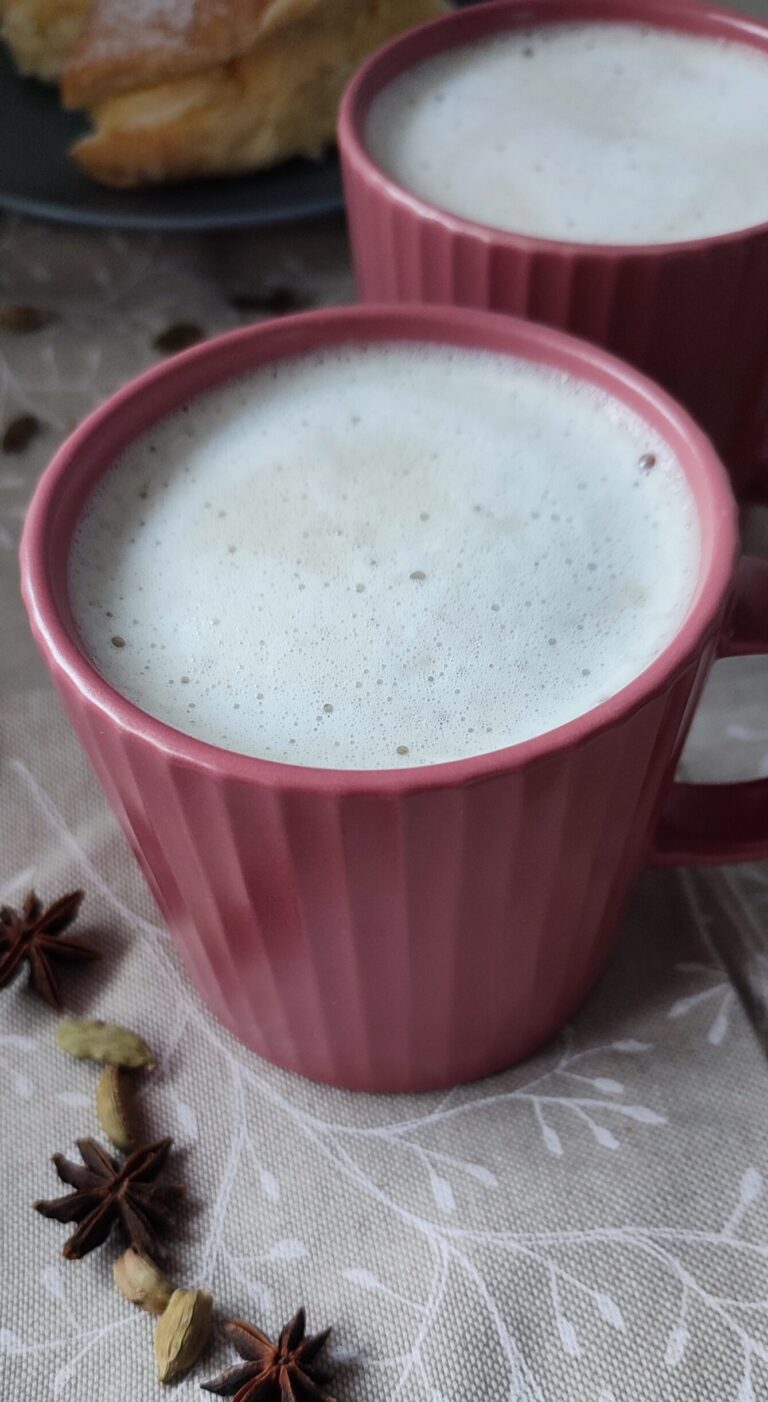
{"x": 182, "y": 88}
{"x": 41, "y": 33}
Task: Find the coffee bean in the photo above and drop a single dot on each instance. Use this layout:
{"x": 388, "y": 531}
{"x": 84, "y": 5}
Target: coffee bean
{"x": 20, "y": 432}
{"x": 178, "y": 337}
{"x": 22, "y": 320}
{"x": 275, "y": 301}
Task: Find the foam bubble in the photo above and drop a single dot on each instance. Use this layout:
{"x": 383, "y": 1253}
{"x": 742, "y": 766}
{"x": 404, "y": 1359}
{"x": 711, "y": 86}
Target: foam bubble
{"x": 518, "y": 561}
{"x": 615, "y": 133}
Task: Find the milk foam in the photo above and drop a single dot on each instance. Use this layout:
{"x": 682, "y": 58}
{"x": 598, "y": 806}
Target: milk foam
{"x": 384, "y": 556}
{"x": 601, "y": 133}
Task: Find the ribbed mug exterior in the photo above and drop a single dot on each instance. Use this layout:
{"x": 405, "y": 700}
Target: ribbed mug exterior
{"x": 693, "y": 315}
{"x": 401, "y": 929}
{"x": 397, "y": 944}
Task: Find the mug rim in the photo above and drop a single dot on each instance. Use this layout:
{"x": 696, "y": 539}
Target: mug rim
{"x": 456, "y": 27}
{"x": 110, "y": 428}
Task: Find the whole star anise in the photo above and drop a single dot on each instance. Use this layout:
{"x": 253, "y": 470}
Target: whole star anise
{"x": 281, "y": 1372}
{"x": 34, "y": 935}
{"x": 108, "y": 1193}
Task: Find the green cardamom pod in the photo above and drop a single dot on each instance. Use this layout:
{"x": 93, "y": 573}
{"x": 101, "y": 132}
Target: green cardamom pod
{"x": 182, "y": 1332}
{"x": 142, "y": 1282}
{"x": 92, "y": 1040}
{"x": 116, "y": 1107}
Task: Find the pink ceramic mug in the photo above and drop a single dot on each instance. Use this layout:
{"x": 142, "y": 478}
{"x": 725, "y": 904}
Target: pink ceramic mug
{"x": 692, "y": 315}
{"x": 411, "y": 928}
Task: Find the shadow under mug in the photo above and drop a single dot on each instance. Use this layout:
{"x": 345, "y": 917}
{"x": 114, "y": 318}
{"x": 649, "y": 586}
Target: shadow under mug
{"x": 401, "y": 930}
{"x": 692, "y": 315}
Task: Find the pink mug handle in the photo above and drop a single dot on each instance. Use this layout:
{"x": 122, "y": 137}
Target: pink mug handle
{"x": 723, "y": 822}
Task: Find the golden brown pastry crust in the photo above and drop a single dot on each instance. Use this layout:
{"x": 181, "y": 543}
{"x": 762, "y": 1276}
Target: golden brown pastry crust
{"x": 128, "y": 44}
{"x": 279, "y": 100}
{"x": 42, "y": 33}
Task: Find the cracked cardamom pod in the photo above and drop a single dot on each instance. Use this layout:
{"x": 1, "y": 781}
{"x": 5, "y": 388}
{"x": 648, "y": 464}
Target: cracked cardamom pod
{"x": 142, "y": 1282}
{"x": 182, "y": 1332}
{"x": 116, "y": 1107}
{"x": 89, "y": 1039}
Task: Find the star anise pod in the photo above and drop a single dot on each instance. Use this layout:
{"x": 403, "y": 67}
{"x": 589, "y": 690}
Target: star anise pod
{"x": 108, "y": 1192}
{"x": 281, "y": 1372}
{"x": 33, "y": 934}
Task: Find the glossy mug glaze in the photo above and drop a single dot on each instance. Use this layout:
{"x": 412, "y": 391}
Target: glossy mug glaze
{"x": 692, "y": 314}
{"x": 408, "y": 928}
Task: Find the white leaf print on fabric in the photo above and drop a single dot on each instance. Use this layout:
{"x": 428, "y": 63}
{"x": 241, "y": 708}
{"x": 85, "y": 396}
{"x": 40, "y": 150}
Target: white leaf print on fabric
{"x": 269, "y": 1185}
{"x": 719, "y": 1029}
{"x": 481, "y": 1175}
{"x": 568, "y": 1336}
{"x": 746, "y": 1390}
{"x": 604, "y": 1137}
{"x": 259, "y": 1292}
{"x": 63, "y": 1377}
{"x": 610, "y": 1311}
{"x": 442, "y": 1192}
{"x": 365, "y": 1279}
{"x": 641, "y": 1114}
{"x": 51, "y": 1279}
{"x": 10, "y": 1342}
{"x": 187, "y": 1119}
{"x": 720, "y": 993}
{"x": 552, "y": 1140}
{"x": 287, "y": 1251}
{"x": 16, "y": 1043}
{"x": 751, "y": 1186}
{"x": 676, "y": 1346}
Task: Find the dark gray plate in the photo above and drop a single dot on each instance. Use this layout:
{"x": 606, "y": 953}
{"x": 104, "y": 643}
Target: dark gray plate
{"x": 38, "y": 178}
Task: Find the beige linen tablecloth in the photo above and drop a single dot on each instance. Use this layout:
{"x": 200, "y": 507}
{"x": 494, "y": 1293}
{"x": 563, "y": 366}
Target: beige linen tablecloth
{"x": 589, "y": 1227}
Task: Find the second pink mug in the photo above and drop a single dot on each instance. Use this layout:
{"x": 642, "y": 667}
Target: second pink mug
{"x": 692, "y": 315}
{"x": 400, "y": 930}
